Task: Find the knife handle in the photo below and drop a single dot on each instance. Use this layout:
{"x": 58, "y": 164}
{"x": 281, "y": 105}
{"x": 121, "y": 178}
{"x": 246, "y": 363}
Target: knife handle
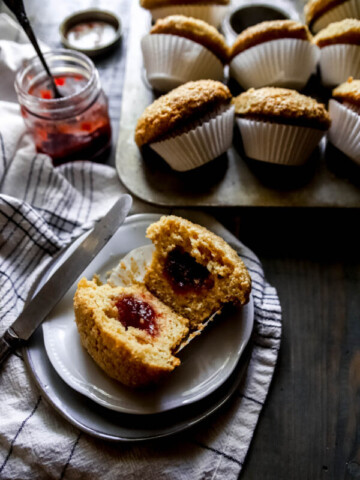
{"x": 8, "y": 343}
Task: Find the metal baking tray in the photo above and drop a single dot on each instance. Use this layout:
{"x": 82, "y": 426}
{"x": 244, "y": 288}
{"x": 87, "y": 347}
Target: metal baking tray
{"x": 328, "y": 179}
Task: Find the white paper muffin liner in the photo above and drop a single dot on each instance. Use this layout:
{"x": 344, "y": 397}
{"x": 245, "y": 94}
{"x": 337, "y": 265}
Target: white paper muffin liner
{"x": 344, "y": 132}
{"x": 213, "y": 14}
{"x": 209, "y": 138}
{"x": 286, "y": 62}
{"x": 277, "y": 143}
{"x": 171, "y": 60}
{"x": 348, "y": 9}
{"x": 338, "y": 63}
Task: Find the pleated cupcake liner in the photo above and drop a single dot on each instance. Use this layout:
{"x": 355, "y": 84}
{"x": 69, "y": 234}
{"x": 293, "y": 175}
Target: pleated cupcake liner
{"x": 286, "y": 62}
{"x": 213, "y": 14}
{"x": 210, "y": 138}
{"x": 277, "y": 143}
{"x": 171, "y": 60}
{"x": 344, "y": 132}
{"x": 338, "y": 63}
{"x": 348, "y": 9}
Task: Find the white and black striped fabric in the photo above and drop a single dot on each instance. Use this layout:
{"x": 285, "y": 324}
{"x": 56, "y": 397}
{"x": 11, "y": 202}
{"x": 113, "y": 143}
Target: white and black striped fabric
{"x": 42, "y": 209}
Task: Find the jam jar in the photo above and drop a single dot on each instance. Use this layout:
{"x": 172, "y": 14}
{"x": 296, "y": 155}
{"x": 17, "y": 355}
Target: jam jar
{"x": 75, "y": 126}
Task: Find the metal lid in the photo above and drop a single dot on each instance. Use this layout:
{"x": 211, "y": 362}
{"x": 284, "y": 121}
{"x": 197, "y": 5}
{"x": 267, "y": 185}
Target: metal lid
{"x": 93, "y": 32}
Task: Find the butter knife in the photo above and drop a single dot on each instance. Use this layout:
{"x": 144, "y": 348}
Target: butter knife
{"x": 59, "y": 283}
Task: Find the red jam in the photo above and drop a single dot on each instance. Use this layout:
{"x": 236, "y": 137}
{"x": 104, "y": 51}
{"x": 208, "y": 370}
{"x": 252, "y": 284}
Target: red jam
{"x": 184, "y": 273}
{"x": 84, "y": 136}
{"x": 133, "y": 312}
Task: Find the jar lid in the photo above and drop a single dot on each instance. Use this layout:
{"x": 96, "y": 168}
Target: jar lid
{"x": 93, "y": 31}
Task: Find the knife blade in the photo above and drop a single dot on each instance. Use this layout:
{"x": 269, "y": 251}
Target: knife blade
{"x": 59, "y": 283}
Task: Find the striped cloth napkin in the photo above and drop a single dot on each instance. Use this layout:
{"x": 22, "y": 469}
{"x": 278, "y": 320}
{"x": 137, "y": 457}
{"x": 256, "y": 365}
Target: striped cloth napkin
{"x": 42, "y": 209}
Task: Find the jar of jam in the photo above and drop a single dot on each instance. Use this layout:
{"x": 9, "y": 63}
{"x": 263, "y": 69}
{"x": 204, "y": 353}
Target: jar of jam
{"x": 75, "y": 126}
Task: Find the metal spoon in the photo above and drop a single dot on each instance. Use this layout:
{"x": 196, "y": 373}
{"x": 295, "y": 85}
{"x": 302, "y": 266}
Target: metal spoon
{"x": 18, "y": 9}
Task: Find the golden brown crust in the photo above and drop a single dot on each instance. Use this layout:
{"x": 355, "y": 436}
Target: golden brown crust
{"x": 282, "y": 105}
{"x": 195, "y": 30}
{"x": 315, "y": 8}
{"x": 267, "y": 31}
{"x": 183, "y": 104}
{"x": 229, "y": 280}
{"x": 131, "y": 356}
{"x": 348, "y": 92}
{"x": 346, "y": 31}
{"x": 149, "y": 4}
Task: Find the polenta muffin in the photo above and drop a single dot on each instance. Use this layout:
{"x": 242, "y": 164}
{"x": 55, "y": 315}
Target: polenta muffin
{"x": 190, "y": 125}
{"x": 194, "y": 271}
{"x": 344, "y": 109}
{"x": 279, "y": 125}
{"x": 320, "y": 13}
{"x": 274, "y": 53}
{"x": 179, "y": 49}
{"x": 339, "y": 45}
{"x": 129, "y": 332}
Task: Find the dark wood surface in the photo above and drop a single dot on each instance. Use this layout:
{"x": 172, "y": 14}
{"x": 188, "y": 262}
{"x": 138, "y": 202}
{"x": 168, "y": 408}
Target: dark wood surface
{"x": 309, "y": 427}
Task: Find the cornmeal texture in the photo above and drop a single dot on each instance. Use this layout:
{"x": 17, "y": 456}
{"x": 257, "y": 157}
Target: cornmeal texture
{"x": 348, "y": 92}
{"x": 130, "y": 355}
{"x": 315, "y": 8}
{"x": 347, "y": 31}
{"x": 267, "y": 31}
{"x": 195, "y": 30}
{"x": 164, "y": 3}
{"x": 183, "y": 104}
{"x": 229, "y": 280}
{"x": 282, "y": 105}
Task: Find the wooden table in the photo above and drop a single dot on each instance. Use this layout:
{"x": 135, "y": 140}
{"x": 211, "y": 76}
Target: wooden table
{"x": 309, "y": 428}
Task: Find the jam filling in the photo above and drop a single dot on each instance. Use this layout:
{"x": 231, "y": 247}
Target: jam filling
{"x": 184, "y": 273}
{"x": 134, "y": 312}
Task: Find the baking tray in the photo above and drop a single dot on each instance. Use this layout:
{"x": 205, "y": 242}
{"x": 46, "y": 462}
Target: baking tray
{"x": 328, "y": 179}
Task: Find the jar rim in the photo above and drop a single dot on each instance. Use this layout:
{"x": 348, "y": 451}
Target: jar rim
{"x": 55, "y": 102}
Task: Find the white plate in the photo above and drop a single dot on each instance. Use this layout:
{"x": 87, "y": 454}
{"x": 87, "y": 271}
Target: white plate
{"x": 205, "y": 364}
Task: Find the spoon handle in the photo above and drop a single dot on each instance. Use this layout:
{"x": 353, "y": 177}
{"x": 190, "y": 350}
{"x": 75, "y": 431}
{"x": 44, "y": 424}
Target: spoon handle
{"x": 18, "y": 9}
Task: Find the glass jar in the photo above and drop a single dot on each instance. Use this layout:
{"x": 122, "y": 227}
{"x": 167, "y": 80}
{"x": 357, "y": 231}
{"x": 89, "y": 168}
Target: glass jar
{"x": 75, "y": 126}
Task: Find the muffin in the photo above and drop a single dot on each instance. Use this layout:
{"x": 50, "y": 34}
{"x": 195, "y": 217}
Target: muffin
{"x": 344, "y": 109}
{"x": 211, "y": 11}
{"x": 194, "y": 271}
{"x": 129, "y": 333}
{"x": 179, "y": 49}
{"x": 277, "y": 52}
{"x": 339, "y": 45}
{"x": 279, "y": 125}
{"x": 320, "y": 13}
{"x": 190, "y": 125}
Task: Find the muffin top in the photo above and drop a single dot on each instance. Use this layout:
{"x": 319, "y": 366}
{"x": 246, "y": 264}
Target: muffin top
{"x": 196, "y": 30}
{"x": 348, "y": 92}
{"x": 266, "y": 31}
{"x": 315, "y": 8}
{"x": 174, "y": 110}
{"x": 346, "y": 31}
{"x": 164, "y": 3}
{"x": 282, "y": 105}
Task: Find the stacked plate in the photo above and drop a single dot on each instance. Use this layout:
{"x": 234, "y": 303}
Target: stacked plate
{"x": 211, "y": 365}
